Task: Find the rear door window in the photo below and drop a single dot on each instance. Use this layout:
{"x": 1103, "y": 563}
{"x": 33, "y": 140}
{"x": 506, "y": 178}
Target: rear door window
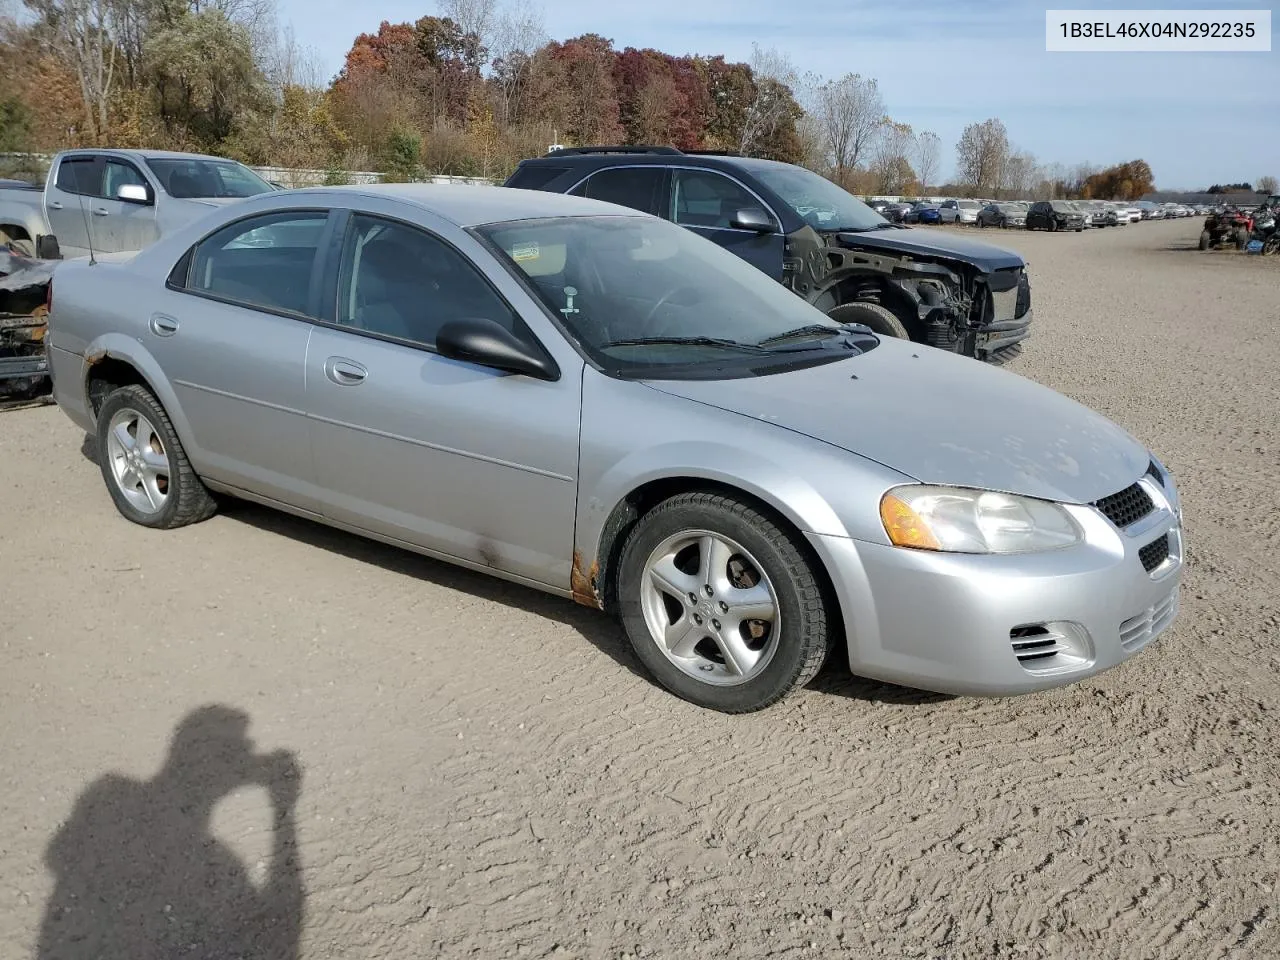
{"x": 263, "y": 261}
{"x": 640, "y": 188}
{"x": 81, "y": 175}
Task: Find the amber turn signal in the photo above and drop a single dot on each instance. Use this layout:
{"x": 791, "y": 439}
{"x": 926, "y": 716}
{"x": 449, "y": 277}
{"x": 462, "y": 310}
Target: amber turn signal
{"x": 904, "y": 526}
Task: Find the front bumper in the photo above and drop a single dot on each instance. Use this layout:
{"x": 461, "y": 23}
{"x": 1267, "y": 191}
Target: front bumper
{"x": 1001, "y": 334}
{"x": 981, "y": 625}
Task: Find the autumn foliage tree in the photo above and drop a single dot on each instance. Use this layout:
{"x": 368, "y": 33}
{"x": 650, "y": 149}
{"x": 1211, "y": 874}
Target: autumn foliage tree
{"x": 1124, "y": 181}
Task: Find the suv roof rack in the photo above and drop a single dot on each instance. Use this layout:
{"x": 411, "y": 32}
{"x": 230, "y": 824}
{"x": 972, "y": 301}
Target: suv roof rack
{"x": 580, "y": 151}
{"x": 713, "y": 153}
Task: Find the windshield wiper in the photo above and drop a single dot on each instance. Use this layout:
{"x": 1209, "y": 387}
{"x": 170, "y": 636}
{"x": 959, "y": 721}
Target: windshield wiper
{"x": 816, "y": 330}
{"x": 686, "y": 342}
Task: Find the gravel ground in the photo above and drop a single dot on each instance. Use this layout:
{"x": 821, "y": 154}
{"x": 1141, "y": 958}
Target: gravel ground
{"x": 474, "y": 769}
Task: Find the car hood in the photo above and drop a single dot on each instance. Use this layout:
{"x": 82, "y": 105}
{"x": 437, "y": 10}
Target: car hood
{"x": 940, "y": 418}
{"x": 927, "y": 244}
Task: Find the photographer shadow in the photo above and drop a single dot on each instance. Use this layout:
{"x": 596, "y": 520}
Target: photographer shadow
{"x": 140, "y": 875}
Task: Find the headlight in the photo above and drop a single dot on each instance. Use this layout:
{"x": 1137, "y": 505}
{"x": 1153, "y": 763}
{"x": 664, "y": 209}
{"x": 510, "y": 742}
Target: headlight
{"x": 956, "y": 520}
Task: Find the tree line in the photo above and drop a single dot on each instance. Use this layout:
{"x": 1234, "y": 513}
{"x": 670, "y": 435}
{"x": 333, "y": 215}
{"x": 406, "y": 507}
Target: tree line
{"x": 469, "y": 90}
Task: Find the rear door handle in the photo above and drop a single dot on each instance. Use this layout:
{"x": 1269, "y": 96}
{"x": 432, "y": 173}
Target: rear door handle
{"x": 55, "y": 205}
{"x": 344, "y": 372}
{"x": 101, "y": 212}
{"x": 163, "y": 326}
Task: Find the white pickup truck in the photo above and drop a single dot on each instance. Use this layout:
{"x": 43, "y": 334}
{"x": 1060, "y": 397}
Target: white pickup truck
{"x": 117, "y": 200}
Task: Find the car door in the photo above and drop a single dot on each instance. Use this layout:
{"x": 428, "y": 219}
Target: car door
{"x": 455, "y": 458}
{"x": 127, "y": 224}
{"x": 230, "y": 333}
{"x": 948, "y": 211}
{"x": 68, "y": 202}
{"x": 706, "y": 202}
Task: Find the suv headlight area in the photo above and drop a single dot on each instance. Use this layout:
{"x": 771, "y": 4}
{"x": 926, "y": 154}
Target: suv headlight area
{"x": 959, "y": 520}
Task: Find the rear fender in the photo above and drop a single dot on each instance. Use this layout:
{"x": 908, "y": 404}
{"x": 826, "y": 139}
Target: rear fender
{"x": 119, "y": 346}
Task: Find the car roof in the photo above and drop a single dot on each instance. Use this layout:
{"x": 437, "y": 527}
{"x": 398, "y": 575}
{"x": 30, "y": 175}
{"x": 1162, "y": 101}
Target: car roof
{"x": 467, "y": 206}
{"x": 148, "y": 154}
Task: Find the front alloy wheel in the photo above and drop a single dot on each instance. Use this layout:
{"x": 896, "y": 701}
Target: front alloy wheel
{"x": 710, "y": 608}
{"x": 722, "y": 603}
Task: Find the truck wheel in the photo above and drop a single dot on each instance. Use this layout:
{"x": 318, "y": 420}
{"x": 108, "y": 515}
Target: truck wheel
{"x": 22, "y": 247}
{"x": 1204, "y": 239}
{"x": 880, "y": 319}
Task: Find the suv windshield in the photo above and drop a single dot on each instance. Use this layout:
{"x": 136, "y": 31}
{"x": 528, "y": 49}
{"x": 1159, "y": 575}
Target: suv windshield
{"x": 639, "y": 294}
{"x": 821, "y": 204}
{"x": 1063, "y": 206}
{"x": 188, "y": 179}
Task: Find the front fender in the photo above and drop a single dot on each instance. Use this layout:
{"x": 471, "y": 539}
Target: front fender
{"x": 633, "y": 435}
{"x": 119, "y": 346}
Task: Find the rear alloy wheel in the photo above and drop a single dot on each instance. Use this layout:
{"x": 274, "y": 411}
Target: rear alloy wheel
{"x": 144, "y": 465}
{"x": 721, "y": 604}
{"x": 880, "y": 319}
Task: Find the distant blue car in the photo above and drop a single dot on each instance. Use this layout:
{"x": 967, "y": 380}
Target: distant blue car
{"x": 923, "y": 213}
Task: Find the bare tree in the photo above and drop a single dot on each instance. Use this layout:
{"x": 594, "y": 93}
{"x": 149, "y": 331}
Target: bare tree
{"x": 927, "y": 158}
{"x": 518, "y": 31}
{"x": 292, "y": 65}
{"x": 1266, "y": 185}
{"x": 87, "y": 34}
{"x": 891, "y": 157}
{"x": 981, "y": 155}
{"x": 849, "y": 112}
{"x": 775, "y": 78}
{"x": 473, "y": 16}
{"x": 1019, "y": 175}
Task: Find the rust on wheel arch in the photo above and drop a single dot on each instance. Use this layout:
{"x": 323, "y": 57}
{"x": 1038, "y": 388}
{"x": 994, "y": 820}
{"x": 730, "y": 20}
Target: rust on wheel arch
{"x": 584, "y": 584}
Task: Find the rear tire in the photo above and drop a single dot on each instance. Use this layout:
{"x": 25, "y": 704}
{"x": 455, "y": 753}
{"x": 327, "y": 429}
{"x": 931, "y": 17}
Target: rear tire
{"x": 144, "y": 466}
{"x": 1204, "y": 239}
{"x": 1053, "y": 226}
{"x": 880, "y": 319}
{"x": 765, "y": 568}
{"x": 1242, "y": 238}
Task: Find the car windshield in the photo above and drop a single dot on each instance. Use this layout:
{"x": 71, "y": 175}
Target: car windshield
{"x": 189, "y": 179}
{"x": 1008, "y": 208}
{"x": 969, "y": 204}
{"x": 1063, "y": 206}
{"x": 821, "y": 204}
{"x": 642, "y": 296}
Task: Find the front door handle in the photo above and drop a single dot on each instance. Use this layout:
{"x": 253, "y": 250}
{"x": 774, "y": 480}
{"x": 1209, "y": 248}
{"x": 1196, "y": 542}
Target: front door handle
{"x": 163, "y": 326}
{"x": 101, "y": 212}
{"x": 344, "y": 372}
{"x": 54, "y": 205}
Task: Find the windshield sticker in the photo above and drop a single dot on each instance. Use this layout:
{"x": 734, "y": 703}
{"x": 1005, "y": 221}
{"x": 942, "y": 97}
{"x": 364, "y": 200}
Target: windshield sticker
{"x": 525, "y": 251}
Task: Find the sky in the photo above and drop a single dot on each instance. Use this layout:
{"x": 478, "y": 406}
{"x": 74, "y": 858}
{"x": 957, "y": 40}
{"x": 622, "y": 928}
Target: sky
{"x": 1197, "y": 118}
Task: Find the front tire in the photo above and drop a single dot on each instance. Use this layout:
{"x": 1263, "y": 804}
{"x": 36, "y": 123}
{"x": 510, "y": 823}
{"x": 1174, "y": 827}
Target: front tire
{"x": 22, "y": 247}
{"x": 145, "y": 468}
{"x": 1204, "y": 239}
{"x": 880, "y": 319}
{"x": 721, "y": 604}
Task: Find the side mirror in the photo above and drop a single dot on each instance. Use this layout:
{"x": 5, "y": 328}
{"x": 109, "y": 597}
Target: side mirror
{"x": 133, "y": 193}
{"x": 492, "y": 345}
{"x": 752, "y": 218}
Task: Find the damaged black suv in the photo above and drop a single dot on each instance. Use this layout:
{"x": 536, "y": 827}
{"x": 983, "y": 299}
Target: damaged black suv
{"x": 826, "y": 245}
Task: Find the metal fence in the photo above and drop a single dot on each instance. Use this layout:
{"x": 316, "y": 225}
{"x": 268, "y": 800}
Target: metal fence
{"x": 31, "y": 163}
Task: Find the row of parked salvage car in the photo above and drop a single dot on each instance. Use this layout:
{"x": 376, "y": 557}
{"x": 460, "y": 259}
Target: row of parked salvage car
{"x": 1050, "y": 215}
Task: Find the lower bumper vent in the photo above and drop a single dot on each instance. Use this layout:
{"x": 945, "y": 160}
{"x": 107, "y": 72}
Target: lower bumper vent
{"x": 1050, "y": 647}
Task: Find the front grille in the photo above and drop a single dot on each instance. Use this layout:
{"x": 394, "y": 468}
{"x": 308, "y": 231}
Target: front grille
{"x": 1154, "y": 553}
{"x": 1137, "y": 632}
{"x": 1126, "y": 507}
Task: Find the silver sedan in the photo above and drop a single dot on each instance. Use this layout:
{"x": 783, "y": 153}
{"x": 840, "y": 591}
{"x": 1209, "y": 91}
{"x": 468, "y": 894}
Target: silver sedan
{"x": 599, "y": 404}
